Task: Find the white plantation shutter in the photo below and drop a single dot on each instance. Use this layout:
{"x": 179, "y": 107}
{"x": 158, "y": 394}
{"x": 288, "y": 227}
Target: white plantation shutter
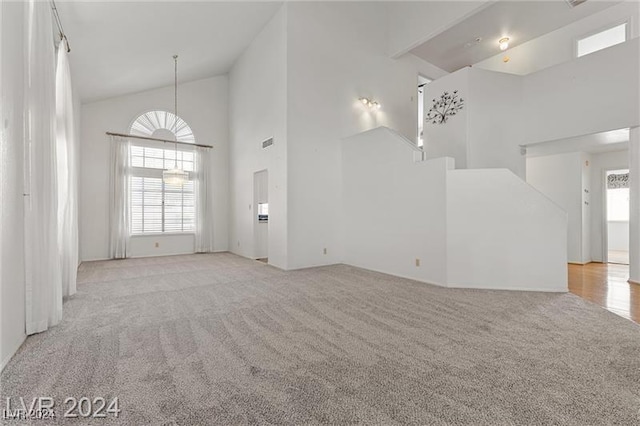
{"x": 179, "y": 208}
{"x": 146, "y": 204}
{"x": 157, "y": 207}
{"x": 149, "y": 122}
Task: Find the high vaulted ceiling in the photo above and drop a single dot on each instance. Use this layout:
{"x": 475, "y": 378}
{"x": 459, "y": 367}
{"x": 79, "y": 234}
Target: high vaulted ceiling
{"x": 125, "y": 47}
{"x": 476, "y": 38}
{"x": 121, "y": 47}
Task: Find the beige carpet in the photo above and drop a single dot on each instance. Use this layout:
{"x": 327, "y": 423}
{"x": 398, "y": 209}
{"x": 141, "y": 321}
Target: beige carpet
{"x": 218, "y": 339}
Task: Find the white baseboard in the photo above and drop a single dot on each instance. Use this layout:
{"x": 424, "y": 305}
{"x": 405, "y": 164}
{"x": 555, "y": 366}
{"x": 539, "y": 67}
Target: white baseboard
{"x": 160, "y": 255}
{"x": 393, "y": 274}
{"x": 512, "y": 288}
{"x": 175, "y": 254}
{"x": 99, "y": 259}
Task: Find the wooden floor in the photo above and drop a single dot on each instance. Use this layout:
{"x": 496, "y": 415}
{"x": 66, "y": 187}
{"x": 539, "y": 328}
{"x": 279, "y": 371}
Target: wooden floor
{"x": 606, "y": 285}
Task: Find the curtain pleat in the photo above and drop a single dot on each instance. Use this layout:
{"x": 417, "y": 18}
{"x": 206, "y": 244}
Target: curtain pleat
{"x": 67, "y": 171}
{"x": 119, "y": 181}
{"x": 42, "y": 260}
{"x": 204, "y": 212}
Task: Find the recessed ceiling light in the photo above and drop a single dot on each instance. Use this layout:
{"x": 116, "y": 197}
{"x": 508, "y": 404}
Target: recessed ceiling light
{"x": 504, "y": 43}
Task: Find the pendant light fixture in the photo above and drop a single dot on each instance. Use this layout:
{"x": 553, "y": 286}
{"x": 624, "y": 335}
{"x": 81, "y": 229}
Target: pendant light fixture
{"x": 175, "y": 176}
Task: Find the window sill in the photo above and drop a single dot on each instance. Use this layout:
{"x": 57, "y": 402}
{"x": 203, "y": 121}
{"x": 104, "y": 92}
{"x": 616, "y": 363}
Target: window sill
{"x": 161, "y": 234}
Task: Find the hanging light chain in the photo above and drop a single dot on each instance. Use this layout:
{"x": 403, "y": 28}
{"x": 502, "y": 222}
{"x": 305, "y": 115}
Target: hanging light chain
{"x": 175, "y": 176}
{"x": 175, "y": 107}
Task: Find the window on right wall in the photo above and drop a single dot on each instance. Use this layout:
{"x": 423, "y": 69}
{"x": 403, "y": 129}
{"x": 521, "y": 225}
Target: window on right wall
{"x": 601, "y": 40}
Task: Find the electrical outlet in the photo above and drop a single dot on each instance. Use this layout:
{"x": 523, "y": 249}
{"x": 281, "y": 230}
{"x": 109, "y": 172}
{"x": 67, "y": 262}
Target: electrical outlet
{"x": 325, "y": 250}
{"x": 157, "y": 244}
{"x": 417, "y": 262}
{"x": 238, "y": 243}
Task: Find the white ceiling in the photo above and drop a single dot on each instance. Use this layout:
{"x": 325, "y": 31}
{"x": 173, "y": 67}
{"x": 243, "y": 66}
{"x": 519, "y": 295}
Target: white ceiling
{"x": 613, "y": 140}
{"x": 125, "y": 47}
{"x": 520, "y": 20}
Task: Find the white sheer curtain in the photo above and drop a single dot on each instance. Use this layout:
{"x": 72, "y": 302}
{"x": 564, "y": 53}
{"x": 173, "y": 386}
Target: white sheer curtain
{"x": 42, "y": 259}
{"x": 204, "y": 206}
{"x": 67, "y": 171}
{"x": 119, "y": 202}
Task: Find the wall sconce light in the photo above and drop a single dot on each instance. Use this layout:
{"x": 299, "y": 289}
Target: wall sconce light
{"x": 370, "y": 103}
{"x": 504, "y": 43}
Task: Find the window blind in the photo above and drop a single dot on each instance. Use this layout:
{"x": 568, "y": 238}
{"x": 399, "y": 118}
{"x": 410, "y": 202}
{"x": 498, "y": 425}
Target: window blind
{"x": 157, "y": 207}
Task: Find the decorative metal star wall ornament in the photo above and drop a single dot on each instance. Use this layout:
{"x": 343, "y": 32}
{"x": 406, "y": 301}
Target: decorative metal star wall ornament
{"x": 447, "y": 106}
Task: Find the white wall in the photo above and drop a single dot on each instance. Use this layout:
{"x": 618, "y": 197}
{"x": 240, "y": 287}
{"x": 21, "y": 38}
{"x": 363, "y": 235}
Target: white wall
{"x": 335, "y": 56}
{"x": 468, "y": 228}
{"x": 502, "y": 234}
{"x": 586, "y": 168}
{"x": 563, "y": 178}
{"x": 258, "y": 111}
{"x": 634, "y": 208}
{"x": 487, "y": 132}
{"x": 618, "y": 235}
{"x": 411, "y": 23}
{"x": 171, "y": 244}
{"x": 12, "y": 285}
{"x": 560, "y": 177}
{"x": 594, "y": 93}
{"x": 600, "y": 163}
{"x": 558, "y": 46}
{"x": 450, "y": 139}
{"x": 495, "y": 121}
{"x": 203, "y": 105}
{"x": 503, "y": 111}
{"x": 393, "y": 207}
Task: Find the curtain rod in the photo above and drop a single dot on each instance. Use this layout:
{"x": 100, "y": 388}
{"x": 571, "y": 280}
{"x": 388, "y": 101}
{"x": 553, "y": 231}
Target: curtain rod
{"x": 124, "y": 135}
{"x": 63, "y": 36}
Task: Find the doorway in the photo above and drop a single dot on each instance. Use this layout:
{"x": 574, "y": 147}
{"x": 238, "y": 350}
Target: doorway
{"x": 422, "y": 82}
{"x": 261, "y": 215}
{"x": 617, "y": 216}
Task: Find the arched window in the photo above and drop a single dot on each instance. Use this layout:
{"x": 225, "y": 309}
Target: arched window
{"x": 155, "y": 206}
{"x": 158, "y": 124}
